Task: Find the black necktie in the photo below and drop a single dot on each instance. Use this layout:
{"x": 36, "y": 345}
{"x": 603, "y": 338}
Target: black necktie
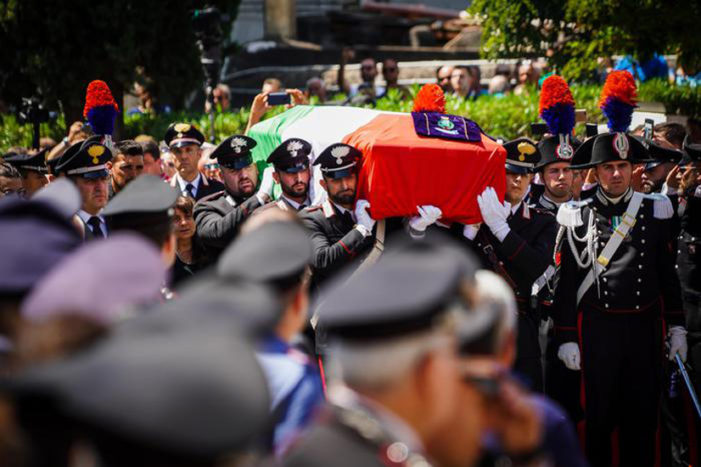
{"x": 347, "y": 217}
{"x": 94, "y": 223}
{"x": 188, "y": 188}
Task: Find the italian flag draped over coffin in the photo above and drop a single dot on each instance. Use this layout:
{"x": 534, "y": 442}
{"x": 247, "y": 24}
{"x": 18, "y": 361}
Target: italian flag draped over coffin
{"x": 400, "y": 170}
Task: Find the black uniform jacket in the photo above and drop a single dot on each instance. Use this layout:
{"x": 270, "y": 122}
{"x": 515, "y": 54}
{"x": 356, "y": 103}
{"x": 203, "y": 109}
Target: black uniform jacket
{"x": 640, "y": 277}
{"x": 689, "y": 261}
{"x": 525, "y": 253}
{"x": 335, "y": 241}
{"x": 218, "y": 218}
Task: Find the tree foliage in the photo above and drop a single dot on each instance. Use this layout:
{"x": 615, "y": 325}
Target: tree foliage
{"x": 54, "y": 48}
{"x": 575, "y": 33}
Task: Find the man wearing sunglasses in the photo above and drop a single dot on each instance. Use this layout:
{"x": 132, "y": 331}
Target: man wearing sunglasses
{"x": 511, "y": 425}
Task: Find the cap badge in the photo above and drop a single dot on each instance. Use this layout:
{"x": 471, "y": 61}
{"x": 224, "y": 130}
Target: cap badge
{"x": 564, "y": 149}
{"x": 339, "y": 153}
{"x": 238, "y": 144}
{"x": 621, "y": 145}
{"x": 95, "y": 152}
{"x": 181, "y": 128}
{"x": 294, "y": 147}
{"x": 525, "y": 149}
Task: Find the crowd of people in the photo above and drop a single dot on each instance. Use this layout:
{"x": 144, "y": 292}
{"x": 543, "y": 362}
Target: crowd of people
{"x": 159, "y": 305}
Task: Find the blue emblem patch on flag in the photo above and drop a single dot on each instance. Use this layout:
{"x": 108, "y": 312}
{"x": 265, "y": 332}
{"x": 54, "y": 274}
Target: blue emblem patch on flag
{"x": 438, "y": 125}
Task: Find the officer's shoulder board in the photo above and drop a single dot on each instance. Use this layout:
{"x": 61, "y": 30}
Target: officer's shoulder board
{"x": 662, "y": 206}
{"x": 570, "y": 213}
{"x": 212, "y": 197}
{"x": 328, "y": 209}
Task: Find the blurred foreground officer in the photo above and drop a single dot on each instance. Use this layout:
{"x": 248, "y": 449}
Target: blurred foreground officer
{"x": 35, "y": 236}
{"x": 277, "y": 254}
{"x": 516, "y": 241}
{"x": 184, "y": 142}
{"x": 33, "y": 169}
{"x": 145, "y": 206}
{"x": 525, "y": 428}
{"x": 392, "y": 334}
{"x": 341, "y": 229}
{"x": 85, "y": 163}
{"x": 291, "y": 162}
{"x": 617, "y": 281}
{"x": 178, "y": 399}
{"x": 10, "y": 180}
{"x": 219, "y": 216}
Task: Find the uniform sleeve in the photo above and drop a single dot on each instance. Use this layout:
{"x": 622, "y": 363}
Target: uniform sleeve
{"x": 326, "y": 254}
{"x": 304, "y": 401}
{"x": 531, "y": 259}
{"x": 669, "y": 280}
{"x": 217, "y": 230}
{"x": 564, "y": 307}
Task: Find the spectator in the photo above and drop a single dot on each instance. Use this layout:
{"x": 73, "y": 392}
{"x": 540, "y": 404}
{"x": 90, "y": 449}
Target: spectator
{"x": 498, "y": 85}
{"x": 207, "y": 166}
{"x": 655, "y": 67}
{"x": 152, "y": 155}
{"x": 271, "y": 85}
{"x": 368, "y": 73}
{"x": 47, "y": 143}
{"x": 443, "y": 74}
{"x": 316, "y": 87}
{"x": 476, "y": 89}
{"x": 76, "y": 132}
{"x": 673, "y": 133}
{"x": 260, "y": 105}
{"x": 221, "y": 95}
{"x": 10, "y": 180}
{"x": 185, "y": 248}
{"x": 390, "y": 71}
{"x": 462, "y": 82}
{"x": 168, "y": 165}
{"x": 126, "y": 165}
{"x": 527, "y": 75}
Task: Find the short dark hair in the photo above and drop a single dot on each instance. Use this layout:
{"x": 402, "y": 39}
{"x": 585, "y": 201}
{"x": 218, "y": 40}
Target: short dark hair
{"x": 129, "y": 147}
{"x": 156, "y": 227}
{"x": 672, "y": 132}
{"x": 151, "y": 147}
{"x": 8, "y": 170}
{"x": 185, "y": 204}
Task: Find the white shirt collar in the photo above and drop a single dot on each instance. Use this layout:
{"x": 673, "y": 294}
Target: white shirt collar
{"x": 295, "y": 204}
{"x": 85, "y": 217}
{"x": 183, "y": 184}
{"x": 515, "y": 208}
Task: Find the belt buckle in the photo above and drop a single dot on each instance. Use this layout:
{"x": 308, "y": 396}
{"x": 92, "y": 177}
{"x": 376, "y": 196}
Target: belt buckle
{"x": 630, "y": 223}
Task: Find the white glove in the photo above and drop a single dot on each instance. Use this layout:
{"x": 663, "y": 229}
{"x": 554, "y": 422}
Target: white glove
{"x": 677, "y": 342}
{"x": 470, "y": 231}
{"x": 266, "y": 184}
{"x": 365, "y": 222}
{"x": 427, "y": 215}
{"x": 494, "y": 213}
{"x": 569, "y": 354}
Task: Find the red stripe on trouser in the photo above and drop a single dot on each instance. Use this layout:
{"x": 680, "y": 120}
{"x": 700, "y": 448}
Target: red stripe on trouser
{"x": 581, "y": 426}
{"x": 323, "y": 377}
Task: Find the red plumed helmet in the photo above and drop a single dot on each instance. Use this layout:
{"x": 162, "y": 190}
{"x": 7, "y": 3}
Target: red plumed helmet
{"x": 98, "y": 95}
{"x": 554, "y": 91}
{"x": 430, "y": 98}
{"x": 620, "y": 85}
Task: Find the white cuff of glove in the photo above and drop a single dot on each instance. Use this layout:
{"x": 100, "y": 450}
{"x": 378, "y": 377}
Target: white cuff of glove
{"x": 500, "y": 230}
{"x": 569, "y": 354}
{"x": 470, "y": 231}
{"x": 363, "y": 230}
{"x": 262, "y": 197}
{"x": 677, "y": 342}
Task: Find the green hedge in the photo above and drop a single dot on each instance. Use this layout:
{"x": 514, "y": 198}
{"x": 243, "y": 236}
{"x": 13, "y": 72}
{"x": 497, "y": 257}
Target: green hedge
{"x": 508, "y": 116}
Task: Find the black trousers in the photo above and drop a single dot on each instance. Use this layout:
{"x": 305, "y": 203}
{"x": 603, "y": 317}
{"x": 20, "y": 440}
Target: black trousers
{"x": 562, "y": 384}
{"x": 621, "y": 360}
{"x": 528, "y": 363}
